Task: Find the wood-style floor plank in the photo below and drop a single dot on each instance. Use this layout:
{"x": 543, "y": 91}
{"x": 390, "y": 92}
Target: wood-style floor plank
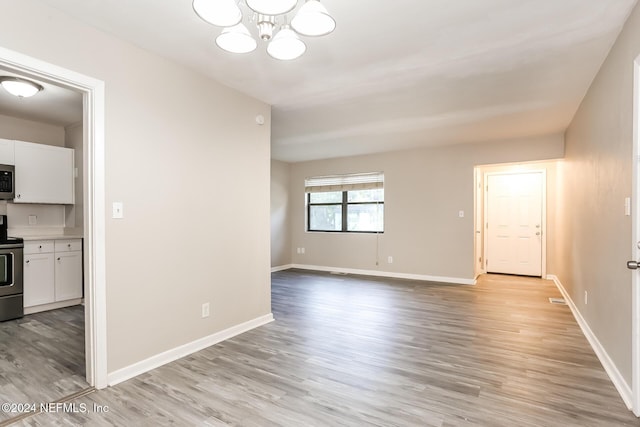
{"x": 357, "y": 351}
{"x": 42, "y": 357}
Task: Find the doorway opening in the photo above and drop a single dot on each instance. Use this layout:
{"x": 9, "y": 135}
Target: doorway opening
{"x": 93, "y": 178}
{"x": 511, "y": 218}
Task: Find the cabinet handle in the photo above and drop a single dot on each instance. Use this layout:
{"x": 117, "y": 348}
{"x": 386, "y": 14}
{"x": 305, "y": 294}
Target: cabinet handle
{"x": 27, "y": 261}
{"x": 58, "y": 258}
{"x": 19, "y": 196}
{"x": 40, "y": 247}
{"x": 68, "y": 245}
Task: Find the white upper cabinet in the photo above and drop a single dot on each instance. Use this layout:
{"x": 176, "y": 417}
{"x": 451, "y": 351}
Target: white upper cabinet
{"x": 44, "y": 174}
{"x": 6, "y": 152}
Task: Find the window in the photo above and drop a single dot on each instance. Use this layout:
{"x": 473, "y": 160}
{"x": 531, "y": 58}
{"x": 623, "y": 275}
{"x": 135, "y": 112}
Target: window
{"x": 346, "y": 203}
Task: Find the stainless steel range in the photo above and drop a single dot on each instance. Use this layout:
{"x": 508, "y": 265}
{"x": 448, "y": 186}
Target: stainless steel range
{"x": 11, "y": 286}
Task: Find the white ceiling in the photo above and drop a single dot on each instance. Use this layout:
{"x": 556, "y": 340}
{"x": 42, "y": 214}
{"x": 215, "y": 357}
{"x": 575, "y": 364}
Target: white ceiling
{"x": 396, "y": 74}
{"x": 54, "y": 104}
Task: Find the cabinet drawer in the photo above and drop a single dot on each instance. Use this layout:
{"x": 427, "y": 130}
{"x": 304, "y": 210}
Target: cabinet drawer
{"x": 68, "y": 245}
{"x": 38, "y": 247}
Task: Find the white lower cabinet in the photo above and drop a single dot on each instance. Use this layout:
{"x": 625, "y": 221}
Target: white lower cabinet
{"x": 52, "y": 274}
{"x": 38, "y": 279}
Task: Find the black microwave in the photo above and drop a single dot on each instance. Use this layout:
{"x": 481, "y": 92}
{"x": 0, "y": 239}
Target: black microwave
{"x": 7, "y": 182}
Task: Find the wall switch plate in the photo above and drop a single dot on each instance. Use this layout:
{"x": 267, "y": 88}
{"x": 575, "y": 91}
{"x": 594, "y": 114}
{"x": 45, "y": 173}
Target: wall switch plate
{"x": 33, "y": 219}
{"x": 460, "y": 214}
{"x": 302, "y": 251}
{"x": 118, "y": 212}
{"x": 627, "y": 206}
{"x": 390, "y": 259}
{"x": 205, "y": 310}
{"x": 586, "y": 297}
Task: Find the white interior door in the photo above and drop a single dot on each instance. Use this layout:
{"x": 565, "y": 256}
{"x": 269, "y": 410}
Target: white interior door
{"x": 514, "y": 206}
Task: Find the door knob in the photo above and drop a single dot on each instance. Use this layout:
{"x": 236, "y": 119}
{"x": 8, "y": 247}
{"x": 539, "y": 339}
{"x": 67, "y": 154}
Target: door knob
{"x": 633, "y": 265}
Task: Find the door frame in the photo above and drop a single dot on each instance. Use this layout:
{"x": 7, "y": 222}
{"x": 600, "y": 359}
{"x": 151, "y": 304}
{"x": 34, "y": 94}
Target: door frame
{"x": 478, "y": 223}
{"x": 543, "y": 226}
{"x": 94, "y": 200}
{"x": 635, "y": 237}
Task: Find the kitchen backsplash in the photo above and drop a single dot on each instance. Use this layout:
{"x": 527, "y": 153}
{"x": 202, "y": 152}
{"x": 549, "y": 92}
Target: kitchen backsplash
{"x": 34, "y": 216}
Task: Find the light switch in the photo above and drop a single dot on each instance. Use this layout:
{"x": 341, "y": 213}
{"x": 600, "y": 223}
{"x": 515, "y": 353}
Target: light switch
{"x": 118, "y": 210}
{"x": 461, "y": 214}
{"x": 627, "y": 206}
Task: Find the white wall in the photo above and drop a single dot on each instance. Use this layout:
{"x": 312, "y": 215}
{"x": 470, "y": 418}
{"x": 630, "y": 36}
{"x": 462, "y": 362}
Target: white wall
{"x": 595, "y": 178}
{"x": 280, "y": 214}
{"x": 424, "y": 190}
{"x": 74, "y": 215}
{"x": 185, "y": 156}
{"x": 31, "y": 131}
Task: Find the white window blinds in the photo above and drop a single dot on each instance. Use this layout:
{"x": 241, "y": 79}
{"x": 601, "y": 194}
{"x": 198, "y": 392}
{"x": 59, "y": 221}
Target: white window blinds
{"x": 356, "y": 181}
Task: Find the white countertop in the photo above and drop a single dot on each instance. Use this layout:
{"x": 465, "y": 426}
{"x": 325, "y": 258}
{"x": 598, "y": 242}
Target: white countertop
{"x": 51, "y": 237}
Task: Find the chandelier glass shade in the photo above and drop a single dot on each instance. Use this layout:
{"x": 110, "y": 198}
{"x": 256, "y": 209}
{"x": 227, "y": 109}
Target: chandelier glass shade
{"x": 236, "y": 39}
{"x": 286, "y": 45}
{"x": 221, "y": 13}
{"x": 270, "y": 19}
{"x": 22, "y": 88}
{"x": 313, "y": 20}
{"x": 272, "y": 7}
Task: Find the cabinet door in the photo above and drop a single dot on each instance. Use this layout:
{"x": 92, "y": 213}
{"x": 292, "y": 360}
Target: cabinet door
{"x": 6, "y": 152}
{"x": 44, "y": 174}
{"x": 68, "y": 275}
{"x": 38, "y": 279}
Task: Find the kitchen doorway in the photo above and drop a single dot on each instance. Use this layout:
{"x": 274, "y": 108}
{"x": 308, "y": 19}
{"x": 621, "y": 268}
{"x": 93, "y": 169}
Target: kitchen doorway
{"x": 93, "y": 195}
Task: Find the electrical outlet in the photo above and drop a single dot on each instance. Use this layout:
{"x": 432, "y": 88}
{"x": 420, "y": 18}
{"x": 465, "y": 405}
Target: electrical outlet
{"x": 460, "y": 214}
{"x": 390, "y": 259}
{"x": 33, "y": 219}
{"x": 302, "y": 251}
{"x": 586, "y": 297}
{"x": 205, "y": 310}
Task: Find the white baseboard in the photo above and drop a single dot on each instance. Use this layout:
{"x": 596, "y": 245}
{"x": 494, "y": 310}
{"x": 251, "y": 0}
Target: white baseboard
{"x": 609, "y": 366}
{"x": 52, "y": 306}
{"x": 442, "y": 279}
{"x": 163, "y": 358}
{"x": 281, "y": 267}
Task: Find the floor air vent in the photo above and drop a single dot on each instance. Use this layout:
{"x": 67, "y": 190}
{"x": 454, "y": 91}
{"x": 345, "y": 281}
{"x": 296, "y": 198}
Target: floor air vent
{"x": 557, "y": 301}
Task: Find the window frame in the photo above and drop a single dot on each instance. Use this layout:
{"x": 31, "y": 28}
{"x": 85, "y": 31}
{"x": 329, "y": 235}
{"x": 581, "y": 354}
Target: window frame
{"x": 345, "y": 210}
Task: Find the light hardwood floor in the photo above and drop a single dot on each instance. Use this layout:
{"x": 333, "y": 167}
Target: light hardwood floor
{"x": 42, "y": 357}
{"x": 357, "y": 351}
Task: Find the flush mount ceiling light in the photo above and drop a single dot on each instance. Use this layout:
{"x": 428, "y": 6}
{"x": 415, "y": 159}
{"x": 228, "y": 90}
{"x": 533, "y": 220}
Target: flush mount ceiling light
{"x": 22, "y": 88}
{"x": 311, "y": 20}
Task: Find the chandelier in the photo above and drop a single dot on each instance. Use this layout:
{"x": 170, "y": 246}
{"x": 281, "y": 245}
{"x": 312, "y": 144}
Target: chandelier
{"x": 312, "y": 20}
